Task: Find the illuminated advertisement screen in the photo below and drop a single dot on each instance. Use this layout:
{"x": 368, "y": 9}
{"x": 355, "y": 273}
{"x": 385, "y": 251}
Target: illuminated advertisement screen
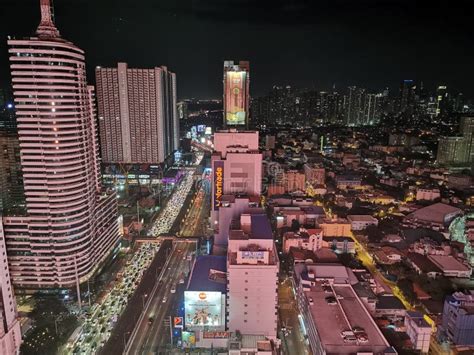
{"x": 202, "y": 309}
{"x": 235, "y": 97}
{"x": 218, "y": 183}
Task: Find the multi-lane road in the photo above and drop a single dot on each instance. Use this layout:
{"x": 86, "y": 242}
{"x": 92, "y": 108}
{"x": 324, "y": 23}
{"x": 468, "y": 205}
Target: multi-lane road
{"x": 150, "y": 335}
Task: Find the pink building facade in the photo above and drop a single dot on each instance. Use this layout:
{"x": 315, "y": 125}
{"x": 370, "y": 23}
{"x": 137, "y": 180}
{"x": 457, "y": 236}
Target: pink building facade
{"x": 237, "y": 170}
{"x": 138, "y": 119}
{"x": 70, "y": 225}
{"x": 10, "y": 333}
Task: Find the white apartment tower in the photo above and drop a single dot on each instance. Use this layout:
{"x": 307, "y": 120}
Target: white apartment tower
{"x": 252, "y": 269}
{"x": 70, "y": 225}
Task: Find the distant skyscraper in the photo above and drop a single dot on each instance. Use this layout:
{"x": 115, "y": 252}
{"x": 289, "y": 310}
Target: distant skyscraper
{"x": 355, "y": 106}
{"x": 441, "y": 100}
{"x": 236, "y": 93}
{"x": 138, "y": 119}
{"x": 407, "y": 96}
{"x": 70, "y": 225}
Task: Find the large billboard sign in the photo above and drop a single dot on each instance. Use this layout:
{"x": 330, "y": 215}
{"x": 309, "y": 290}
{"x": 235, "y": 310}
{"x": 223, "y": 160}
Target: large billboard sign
{"x": 218, "y": 183}
{"x": 203, "y": 309}
{"x": 235, "y": 98}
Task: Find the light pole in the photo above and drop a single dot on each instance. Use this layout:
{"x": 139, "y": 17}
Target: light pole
{"x": 124, "y": 340}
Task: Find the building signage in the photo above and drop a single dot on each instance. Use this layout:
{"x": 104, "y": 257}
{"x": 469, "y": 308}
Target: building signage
{"x": 218, "y": 183}
{"x": 216, "y": 335}
{"x": 253, "y": 254}
{"x": 178, "y": 322}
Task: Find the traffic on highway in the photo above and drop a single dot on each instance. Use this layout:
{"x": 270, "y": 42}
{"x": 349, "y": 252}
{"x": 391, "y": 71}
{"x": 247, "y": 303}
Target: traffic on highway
{"x": 102, "y": 317}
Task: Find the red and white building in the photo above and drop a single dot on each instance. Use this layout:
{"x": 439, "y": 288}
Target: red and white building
{"x": 70, "y": 225}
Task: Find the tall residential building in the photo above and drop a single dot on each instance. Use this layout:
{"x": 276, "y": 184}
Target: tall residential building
{"x": 355, "y": 106}
{"x": 11, "y": 183}
{"x": 458, "y": 318}
{"x": 10, "y": 333}
{"x": 252, "y": 276}
{"x": 457, "y": 150}
{"x": 70, "y": 225}
{"x": 467, "y": 131}
{"x": 236, "y": 93}
{"x": 138, "y": 119}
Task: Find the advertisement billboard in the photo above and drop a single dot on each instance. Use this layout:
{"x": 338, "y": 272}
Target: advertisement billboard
{"x": 218, "y": 183}
{"x": 236, "y": 98}
{"x": 203, "y": 309}
{"x": 188, "y": 339}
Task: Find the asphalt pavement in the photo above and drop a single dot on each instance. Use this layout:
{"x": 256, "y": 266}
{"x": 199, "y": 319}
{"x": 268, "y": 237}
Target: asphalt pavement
{"x": 128, "y": 319}
{"x": 151, "y": 335}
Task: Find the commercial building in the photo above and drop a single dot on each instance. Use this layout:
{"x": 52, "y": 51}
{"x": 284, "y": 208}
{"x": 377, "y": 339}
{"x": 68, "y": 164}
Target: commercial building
{"x": 315, "y": 174}
{"x": 418, "y": 330}
{"x": 205, "y": 295}
{"x": 458, "y": 319}
{"x": 335, "y": 319}
{"x": 236, "y": 93}
{"x": 427, "y": 194}
{"x": 450, "y": 266}
{"x": 138, "y": 120}
{"x": 335, "y": 227}
{"x": 307, "y": 239}
{"x": 236, "y": 167}
{"x": 70, "y": 225}
{"x": 437, "y": 216}
{"x": 361, "y": 222}
{"x": 10, "y": 333}
{"x": 252, "y": 269}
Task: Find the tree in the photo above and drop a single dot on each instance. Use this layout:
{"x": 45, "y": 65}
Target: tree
{"x": 406, "y": 286}
{"x": 374, "y": 234}
{"x": 295, "y": 225}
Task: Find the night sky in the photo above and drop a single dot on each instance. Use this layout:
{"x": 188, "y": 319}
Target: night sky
{"x": 369, "y": 43}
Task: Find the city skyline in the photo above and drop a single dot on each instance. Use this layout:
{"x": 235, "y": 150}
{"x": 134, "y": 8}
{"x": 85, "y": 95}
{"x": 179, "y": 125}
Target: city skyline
{"x": 327, "y": 44}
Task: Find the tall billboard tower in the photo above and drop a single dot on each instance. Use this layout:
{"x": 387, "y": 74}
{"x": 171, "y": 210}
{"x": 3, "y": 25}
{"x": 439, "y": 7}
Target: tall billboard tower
{"x": 236, "y": 94}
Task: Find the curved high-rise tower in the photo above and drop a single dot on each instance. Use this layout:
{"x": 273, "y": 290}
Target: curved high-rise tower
{"x": 70, "y": 226}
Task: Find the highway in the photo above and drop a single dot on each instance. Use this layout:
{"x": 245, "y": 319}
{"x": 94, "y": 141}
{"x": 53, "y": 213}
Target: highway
{"x": 194, "y": 221}
{"x": 151, "y": 335}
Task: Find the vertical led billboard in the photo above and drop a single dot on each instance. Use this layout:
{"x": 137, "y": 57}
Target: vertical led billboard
{"x": 218, "y": 183}
{"x": 236, "y": 98}
{"x": 203, "y": 309}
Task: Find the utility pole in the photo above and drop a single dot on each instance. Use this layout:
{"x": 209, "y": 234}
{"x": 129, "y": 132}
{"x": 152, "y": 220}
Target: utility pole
{"x": 78, "y": 287}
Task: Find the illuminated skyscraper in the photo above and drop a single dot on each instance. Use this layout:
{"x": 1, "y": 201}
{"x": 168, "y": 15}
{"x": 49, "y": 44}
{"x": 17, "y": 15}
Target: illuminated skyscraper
{"x": 70, "y": 225}
{"x": 236, "y": 94}
{"x": 138, "y": 118}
